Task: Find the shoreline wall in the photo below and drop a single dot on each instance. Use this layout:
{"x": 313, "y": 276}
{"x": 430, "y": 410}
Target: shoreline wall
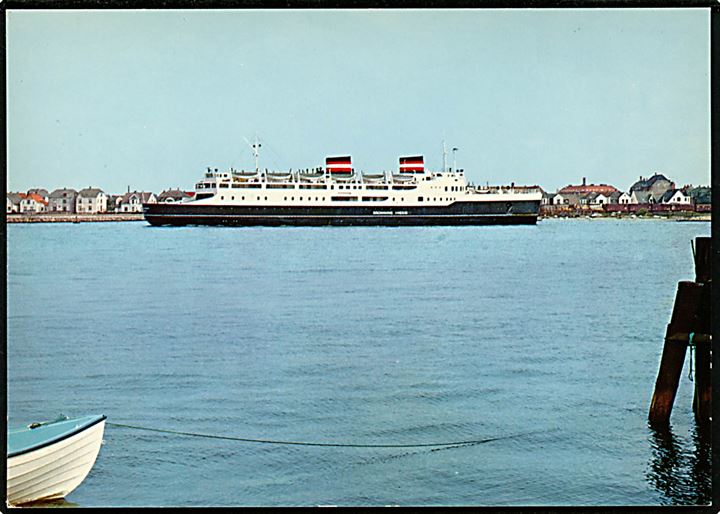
{"x": 73, "y": 218}
{"x": 625, "y": 209}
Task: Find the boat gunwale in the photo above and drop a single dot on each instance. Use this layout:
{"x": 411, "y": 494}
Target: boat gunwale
{"x": 100, "y": 418}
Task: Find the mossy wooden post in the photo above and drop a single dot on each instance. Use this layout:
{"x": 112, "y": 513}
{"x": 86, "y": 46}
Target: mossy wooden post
{"x": 683, "y": 321}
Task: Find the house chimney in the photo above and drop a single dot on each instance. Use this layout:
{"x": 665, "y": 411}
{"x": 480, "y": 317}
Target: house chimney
{"x": 583, "y": 181}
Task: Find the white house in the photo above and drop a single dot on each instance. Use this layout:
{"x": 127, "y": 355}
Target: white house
{"x": 624, "y": 198}
{"x": 132, "y": 202}
{"x": 676, "y": 197}
{"x": 599, "y": 199}
{"x": 33, "y": 203}
{"x": 559, "y": 199}
{"x": 90, "y": 201}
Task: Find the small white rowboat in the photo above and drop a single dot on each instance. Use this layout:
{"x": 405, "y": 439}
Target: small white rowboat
{"x": 47, "y": 461}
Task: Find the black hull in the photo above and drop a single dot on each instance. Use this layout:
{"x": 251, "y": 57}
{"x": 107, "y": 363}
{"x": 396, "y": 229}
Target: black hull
{"x": 460, "y": 213}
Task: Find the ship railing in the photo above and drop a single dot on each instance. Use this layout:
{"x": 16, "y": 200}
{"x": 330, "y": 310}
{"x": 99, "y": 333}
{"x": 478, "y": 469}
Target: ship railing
{"x": 503, "y": 190}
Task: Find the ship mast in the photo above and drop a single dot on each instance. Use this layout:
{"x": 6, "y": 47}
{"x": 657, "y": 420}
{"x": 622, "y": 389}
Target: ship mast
{"x": 256, "y": 152}
{"x": 256, "y": 145}
{"x": 444, "y": 157}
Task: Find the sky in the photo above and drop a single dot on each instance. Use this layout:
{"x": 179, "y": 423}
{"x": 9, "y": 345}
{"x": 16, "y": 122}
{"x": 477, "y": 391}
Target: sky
{"x": 146, "y": 100}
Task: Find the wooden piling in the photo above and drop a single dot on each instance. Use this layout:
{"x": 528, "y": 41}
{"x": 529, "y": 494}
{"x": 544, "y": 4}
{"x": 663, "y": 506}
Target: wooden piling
{"x": 690, "y": 324}
{"x": 683, "y": 321}
{"x": 702, "y": 404}
{"x": 702, "y": 398}
{"x": 703, "y": 258}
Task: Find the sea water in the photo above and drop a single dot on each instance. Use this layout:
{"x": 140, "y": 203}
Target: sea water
{"x": 545, "y": 339}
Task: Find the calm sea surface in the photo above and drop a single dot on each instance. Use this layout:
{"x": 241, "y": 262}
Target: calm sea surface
{"x": 547, "y": 337}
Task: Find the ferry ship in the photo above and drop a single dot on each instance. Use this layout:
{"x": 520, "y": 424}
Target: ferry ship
{"x": 336, "y": 195}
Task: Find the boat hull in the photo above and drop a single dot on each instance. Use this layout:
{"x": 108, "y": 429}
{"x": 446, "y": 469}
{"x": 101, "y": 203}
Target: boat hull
{"x": 459, "y": 213}
{"x": 54, "y": 470}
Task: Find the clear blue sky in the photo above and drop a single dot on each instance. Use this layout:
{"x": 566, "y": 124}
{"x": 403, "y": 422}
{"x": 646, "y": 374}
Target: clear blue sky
{"x": 148, "y": 99}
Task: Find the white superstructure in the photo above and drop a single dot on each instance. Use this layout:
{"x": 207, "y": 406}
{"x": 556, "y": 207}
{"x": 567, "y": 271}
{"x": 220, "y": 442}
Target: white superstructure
{"x": 313, "y": 187}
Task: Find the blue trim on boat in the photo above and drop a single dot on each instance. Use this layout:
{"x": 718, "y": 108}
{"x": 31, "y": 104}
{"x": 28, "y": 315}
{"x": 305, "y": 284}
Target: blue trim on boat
{"x": 25, "y": 440}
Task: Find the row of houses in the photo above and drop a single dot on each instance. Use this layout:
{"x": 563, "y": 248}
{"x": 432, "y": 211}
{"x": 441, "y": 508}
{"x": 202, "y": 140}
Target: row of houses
{"x": 90, "y": 200}
{"x": 654, "y": 193}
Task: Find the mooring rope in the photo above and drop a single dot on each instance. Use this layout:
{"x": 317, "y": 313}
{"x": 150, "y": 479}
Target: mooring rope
{"x": 305, "y": 443}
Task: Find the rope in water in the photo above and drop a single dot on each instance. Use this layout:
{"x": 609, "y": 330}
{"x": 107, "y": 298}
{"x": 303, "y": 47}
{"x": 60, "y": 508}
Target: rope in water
{"x": 304, "y": 443}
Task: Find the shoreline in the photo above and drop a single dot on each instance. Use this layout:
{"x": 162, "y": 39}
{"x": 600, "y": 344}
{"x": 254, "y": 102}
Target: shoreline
{"x": 74, "y": 218}
{"x": 631, "y": 218}
{"x": 705, "y": 218}
{"x": 138, "y": 216}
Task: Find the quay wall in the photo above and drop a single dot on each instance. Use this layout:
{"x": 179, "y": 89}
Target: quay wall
{"x": 662, "y": 209}
{"x": 653, "y": 207}
{"x": 73, "y": 218}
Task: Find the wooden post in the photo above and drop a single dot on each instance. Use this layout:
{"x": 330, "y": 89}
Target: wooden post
{"x": 683, "y": 321}
{"x": 691, "y": 318}
{"x": 703, "y": 258}
{"x": 702, "y": 404}
{"x": 702, "y": 399}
